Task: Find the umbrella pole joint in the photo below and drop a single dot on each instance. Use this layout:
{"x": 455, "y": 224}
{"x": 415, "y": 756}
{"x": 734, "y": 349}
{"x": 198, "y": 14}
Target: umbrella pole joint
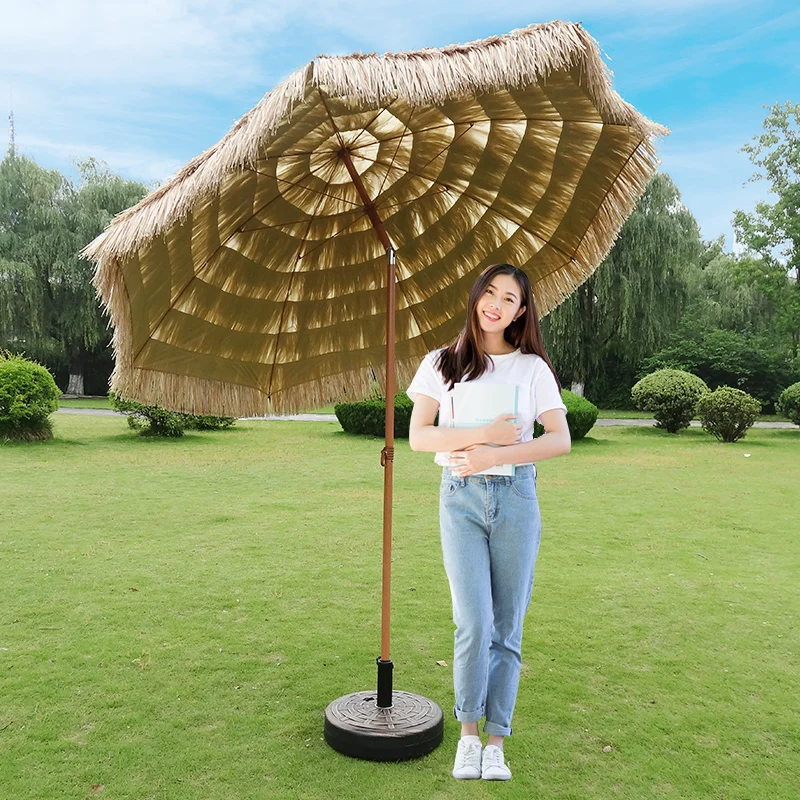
{"x": 384, "y": 699}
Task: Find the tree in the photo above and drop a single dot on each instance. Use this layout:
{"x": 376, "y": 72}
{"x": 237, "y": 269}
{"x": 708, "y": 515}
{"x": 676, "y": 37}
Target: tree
{"x": 773, "y": 230}
{"x": 719, "y": 298}
{"x": 625, "y": 311}
{"x": 48, "y": 307}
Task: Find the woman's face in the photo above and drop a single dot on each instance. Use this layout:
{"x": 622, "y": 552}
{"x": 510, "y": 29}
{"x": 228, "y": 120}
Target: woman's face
{"x": 500, "y": 305}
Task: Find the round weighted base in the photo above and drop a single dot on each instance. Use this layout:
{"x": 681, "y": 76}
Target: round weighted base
{"x": 411, "y": 727}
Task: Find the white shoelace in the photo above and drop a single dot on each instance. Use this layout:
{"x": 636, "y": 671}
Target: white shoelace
{"x": 493, "y": 757}
{"x": 468, "y": 755}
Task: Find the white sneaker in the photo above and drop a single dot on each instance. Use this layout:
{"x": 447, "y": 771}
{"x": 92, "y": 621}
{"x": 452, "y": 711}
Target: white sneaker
{"x": 493, "y": 767}
{"x": 468, "y": 759}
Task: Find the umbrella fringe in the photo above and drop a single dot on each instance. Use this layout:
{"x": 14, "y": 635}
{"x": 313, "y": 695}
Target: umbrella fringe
{"x": 190, "y": 395}
{"x": 602, "y": 232}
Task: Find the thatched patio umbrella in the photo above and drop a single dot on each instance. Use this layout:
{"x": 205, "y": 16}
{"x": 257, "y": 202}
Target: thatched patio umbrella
{"x": 262, "y": 277}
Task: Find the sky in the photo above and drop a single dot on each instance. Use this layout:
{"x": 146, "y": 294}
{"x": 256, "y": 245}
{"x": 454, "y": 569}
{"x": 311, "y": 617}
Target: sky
{"x": 147, "y": 85}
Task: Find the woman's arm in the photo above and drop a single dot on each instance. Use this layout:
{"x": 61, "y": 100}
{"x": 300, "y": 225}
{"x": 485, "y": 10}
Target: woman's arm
{"x": 426, "y": 437}
{"x": 556, "y": 441}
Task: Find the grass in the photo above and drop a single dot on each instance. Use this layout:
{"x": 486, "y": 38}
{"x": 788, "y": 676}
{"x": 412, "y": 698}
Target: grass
{"x": 176, "y": 615}
{"x": 610, "y": 413}
{"x": 85, "y": 402}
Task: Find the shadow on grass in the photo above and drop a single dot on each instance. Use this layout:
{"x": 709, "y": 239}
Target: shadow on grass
{"x": 51, "y": 444}
{"x": 191, "y": 438}
{"x": 589, "y": 441}
{"x": 640, "y": 432}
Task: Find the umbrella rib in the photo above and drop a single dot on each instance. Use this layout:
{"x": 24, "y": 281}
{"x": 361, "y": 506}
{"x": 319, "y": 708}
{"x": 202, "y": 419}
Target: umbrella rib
{"x": 300, "y": 254}
{"x": 205, "y": 265}
{"x": 366, "y": 127}
{"x": 338, "y": 233}
{"x": 306, "y": 188}
{"x": 276, "y": 226}
{"x": 396, "y": 150}
{"x": 330, "y": 117}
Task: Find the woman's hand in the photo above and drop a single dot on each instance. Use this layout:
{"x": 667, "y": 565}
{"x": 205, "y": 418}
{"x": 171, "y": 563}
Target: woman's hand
{"x": 473, "y": 459}
{"x": 503, "y": 432}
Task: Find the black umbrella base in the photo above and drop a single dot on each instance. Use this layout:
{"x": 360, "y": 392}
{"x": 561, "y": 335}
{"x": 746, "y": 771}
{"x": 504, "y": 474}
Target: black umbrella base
{"x": 411, "y": 727}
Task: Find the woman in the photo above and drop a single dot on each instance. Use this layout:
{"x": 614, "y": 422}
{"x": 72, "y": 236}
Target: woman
{"x": 490, "y": 524}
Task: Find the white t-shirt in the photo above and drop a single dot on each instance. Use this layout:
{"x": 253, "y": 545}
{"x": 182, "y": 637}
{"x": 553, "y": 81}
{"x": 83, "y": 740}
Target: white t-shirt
{"x": 538, "y": 390}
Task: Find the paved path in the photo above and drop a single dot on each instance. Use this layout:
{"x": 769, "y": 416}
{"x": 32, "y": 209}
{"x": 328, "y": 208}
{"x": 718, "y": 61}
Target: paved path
{"x": 642, "y": 423}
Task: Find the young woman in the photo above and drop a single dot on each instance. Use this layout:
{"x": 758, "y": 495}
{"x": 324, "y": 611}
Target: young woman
{"x": 490, "y": 524}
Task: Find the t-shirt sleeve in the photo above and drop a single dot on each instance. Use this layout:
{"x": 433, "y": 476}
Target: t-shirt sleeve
{"x": 545, "y": 388}
{"x": 427, "y": 381}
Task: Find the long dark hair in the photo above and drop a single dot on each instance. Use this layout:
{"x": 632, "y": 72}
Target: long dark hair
{"x": 465, "y": 358}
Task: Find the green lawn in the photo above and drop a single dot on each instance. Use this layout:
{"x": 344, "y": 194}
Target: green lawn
{"x": 176, "y": 615}
{"x": 609, "y": 413}
{"x": 85, "y": 402}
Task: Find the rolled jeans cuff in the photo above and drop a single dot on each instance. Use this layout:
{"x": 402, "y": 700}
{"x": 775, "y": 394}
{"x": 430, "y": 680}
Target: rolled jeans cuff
{"x": 468, "y": 716}
{"x": 493, "y": 729}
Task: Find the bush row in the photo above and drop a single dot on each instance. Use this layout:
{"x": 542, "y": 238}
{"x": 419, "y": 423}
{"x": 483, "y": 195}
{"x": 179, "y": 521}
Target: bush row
{"x": 369, "y": 416}
{"x": 28, "y": 395}
{"x": 674, "y": 397}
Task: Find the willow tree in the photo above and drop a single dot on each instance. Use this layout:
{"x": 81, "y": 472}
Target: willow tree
{"x": 48, "y": 307}
{"x": 721, "y": 297}
{"x": 625, "y": 311}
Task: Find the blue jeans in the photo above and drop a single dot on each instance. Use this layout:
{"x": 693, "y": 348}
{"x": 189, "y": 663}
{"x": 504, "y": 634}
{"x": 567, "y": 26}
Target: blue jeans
{"x": 490, "y": 530}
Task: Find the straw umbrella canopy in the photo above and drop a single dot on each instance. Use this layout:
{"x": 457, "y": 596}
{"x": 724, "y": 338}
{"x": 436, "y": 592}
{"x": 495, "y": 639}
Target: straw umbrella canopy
{"x": 252, "y": 282}
{"x": 257, "y": 279}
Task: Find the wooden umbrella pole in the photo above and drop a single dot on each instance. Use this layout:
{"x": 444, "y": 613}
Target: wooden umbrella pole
{"x": 384, "y": 699}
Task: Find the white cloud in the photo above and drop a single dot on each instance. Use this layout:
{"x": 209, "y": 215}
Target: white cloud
{"x": 210, "y": 44}
{"x": 137, "y": 163}
{"x": 147, "y": 85}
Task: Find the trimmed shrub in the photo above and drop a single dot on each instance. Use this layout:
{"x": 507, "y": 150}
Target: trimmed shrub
{"x": 368, "y": 417}
{"x": 204, "y": 422}
{"x": 150, "y": 420}
{"x": 789, "y": 403}
{"x": 581, "y": 416}
{"x": 671, "y": 395}
{"x": 28, "y": 395}
{"x": 728, "y": 413}
{"x": 156, "y": 421}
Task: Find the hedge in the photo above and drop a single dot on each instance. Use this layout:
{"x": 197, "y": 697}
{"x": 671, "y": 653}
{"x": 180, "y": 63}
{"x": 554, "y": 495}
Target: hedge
{"x": 368, "y": 417}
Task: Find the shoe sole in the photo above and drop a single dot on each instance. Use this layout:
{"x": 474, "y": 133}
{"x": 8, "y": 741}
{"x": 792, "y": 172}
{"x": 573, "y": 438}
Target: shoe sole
{"x": 466, "y": 777}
